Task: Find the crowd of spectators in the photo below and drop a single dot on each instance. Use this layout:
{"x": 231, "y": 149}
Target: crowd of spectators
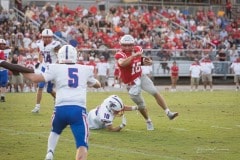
{"x": 166, "y": 32}
{"x": 206, "y": 32}
{"x": 152, "y": 27}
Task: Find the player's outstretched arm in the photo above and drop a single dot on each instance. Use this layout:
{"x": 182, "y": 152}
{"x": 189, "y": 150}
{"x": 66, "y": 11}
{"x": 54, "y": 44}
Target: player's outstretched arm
{"x": 15, "y": 67}
{"x": 123, "y": 62}
{"x": 118, "y": 128}
{"x": 111, "y": 128}
{"x": 34, "y": 77}
{"x": 130, "y": 108}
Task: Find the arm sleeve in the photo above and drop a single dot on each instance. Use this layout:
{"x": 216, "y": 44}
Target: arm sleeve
{"x": 15, "y": 67}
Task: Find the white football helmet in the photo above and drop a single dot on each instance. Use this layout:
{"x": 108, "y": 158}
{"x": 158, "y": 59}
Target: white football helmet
{"x": 47, "y": 33}
{"x": 67, "y": 54}
{"x": 127, "y": 39}
{"x": 2, "y": 41}
{"x": 114, "y": 104}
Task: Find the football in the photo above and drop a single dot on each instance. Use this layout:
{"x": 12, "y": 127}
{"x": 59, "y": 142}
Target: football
{"x": 147, "y": 61}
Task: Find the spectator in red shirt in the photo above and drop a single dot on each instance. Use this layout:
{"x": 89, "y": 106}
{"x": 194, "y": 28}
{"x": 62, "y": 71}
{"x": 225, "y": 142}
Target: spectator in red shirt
{"x": 174, "y": 75}
{"x": 80, "y": 61}
{"x": 229, "y": 9}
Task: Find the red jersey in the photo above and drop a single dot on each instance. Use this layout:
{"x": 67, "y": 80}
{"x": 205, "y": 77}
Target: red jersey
{"x": 81, "y": 62}
{"x": 174, "y": 71}
{"x": 129, "y": 73}
{"x": 2, "y": 55}
{"x": 91, "y": 63}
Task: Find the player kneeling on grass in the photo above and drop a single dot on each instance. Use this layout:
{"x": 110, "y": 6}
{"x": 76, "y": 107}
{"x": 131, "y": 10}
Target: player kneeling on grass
{"x": 103, "y": 115}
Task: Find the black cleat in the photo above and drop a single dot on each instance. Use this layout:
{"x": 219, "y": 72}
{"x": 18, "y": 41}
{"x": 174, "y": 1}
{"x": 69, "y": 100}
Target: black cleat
{"x": 3, "y": 99}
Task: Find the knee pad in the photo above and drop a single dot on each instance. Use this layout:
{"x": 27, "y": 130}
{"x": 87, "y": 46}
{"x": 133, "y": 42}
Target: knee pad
{"x": 41, "y": 84}
{"x": 138, "y": 100}
{"x": 141, "y": 107}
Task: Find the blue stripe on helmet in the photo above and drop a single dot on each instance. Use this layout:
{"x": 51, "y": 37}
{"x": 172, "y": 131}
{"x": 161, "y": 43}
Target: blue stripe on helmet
{"x": 66, "y": 52}
{"x": 118, "y": 101}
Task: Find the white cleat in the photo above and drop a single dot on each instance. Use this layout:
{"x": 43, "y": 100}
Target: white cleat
{"x": 49, "y": 155}
{"x": 36, "y": 110}
{"x": 150, "y": 126}
{"x": 172, "y": 115}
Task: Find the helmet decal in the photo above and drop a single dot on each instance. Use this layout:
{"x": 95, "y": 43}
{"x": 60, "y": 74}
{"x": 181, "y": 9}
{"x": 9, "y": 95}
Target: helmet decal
{"x": 118, "y": 101}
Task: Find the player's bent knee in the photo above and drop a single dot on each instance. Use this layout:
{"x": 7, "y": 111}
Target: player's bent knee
{"x": 138, "y": 100}
{"x": 141, "y": 107}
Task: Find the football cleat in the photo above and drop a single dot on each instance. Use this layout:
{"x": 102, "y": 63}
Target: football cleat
{"x": 49, "y": 155}
{"x": 3, "y": 99}
{"x": 36, "y": 110}
{"x": 150, "y": 126}
{"x": 172, "y": 115}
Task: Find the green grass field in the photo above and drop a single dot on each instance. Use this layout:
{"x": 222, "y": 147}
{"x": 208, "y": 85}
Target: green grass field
{"x": 208, "y": 128}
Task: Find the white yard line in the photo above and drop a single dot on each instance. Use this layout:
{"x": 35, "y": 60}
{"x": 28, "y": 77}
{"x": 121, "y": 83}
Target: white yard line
{"x": 211, "y": 150}
{"x": 219, "y": 127}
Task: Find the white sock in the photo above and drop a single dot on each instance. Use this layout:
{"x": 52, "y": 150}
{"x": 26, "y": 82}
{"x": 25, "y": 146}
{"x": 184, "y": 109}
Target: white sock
{"x": 134, "y": 108}
{"x": 52, "y": 141}
{"x": 167, "y": 110}
{"x": 37, "y": 105}
{"x": 148, "y": 120}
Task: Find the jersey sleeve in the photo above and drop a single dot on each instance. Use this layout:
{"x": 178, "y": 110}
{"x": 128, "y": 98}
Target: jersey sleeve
{"x": 49, "y": 73}
{"x": 56, "y": 44}
{"x": 118, "y": 55}
{"x": 137, "y": 49}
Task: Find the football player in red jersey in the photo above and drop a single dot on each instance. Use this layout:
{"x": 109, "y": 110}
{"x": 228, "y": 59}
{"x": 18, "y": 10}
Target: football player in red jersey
{"x": 129, "y": 59}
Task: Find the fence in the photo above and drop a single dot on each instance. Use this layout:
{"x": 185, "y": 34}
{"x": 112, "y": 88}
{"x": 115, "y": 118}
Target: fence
{"x": 184, "y": 59}
{"x": 221, "y": 69}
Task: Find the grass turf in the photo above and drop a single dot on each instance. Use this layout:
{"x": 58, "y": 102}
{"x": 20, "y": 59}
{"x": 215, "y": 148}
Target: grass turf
{"x": 207, "y": 128}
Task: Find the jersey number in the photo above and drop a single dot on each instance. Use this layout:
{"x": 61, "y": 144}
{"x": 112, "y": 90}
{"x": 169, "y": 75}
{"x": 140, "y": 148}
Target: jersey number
{"x": 73, "y": 77}
{"x": 136, "y": 67}
{"x": 106, "y": 115}
{"x": 48, "y": 58}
